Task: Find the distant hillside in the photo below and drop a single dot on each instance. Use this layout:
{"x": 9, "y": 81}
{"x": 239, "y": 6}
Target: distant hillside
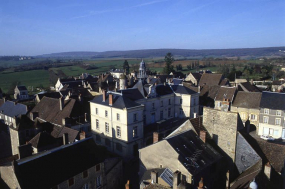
{"x": 187, "y": 53}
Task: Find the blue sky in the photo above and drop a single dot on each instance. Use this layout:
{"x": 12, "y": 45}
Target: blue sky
{"x": 36, "y": 27}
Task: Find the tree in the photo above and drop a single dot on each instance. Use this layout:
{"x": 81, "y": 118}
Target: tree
{"x": 179, "y": 67}
{"x": 126, "y": 67}
{"x": 168, "y": 60}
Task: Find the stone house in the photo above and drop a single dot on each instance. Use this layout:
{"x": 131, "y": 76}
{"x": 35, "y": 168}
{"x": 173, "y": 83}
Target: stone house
{"x": 130, "y": 110}
{"x": 21, "y": 92}
{"x": 193, "y": 156}
{"x": 247, "y": 104}
{"x": 271, "y": 115}
{"x": 194, "y": 78}
{"x": 224, "y": 98}
{"x": 82, "y": 164}
{"x": 10, "y": 110}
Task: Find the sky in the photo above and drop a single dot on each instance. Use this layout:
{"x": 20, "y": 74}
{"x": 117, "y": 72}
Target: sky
{"x": 36, "y": 27}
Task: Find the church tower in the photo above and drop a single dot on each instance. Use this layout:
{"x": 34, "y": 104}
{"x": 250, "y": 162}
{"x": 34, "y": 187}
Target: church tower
{"x": 142, "y": 71}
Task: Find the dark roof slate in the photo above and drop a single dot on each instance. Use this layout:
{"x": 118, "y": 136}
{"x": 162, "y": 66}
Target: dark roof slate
{"x": 247, "y": 100}
{"x": 13, "y": 109}
{"x": 273, "y": 100}
{"x": 249, "y": 87}
{"x": 22, "y": 88}
{"x": 182, "y": 89}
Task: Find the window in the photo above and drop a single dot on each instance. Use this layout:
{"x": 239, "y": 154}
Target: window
{"x": 180, "y": 111}
{"x": 278, "y": 113}
{"x": 219, "y": 104}
{"x": 277, "y": 121}
{"x": 135, "y": 132}
{"x": 119, "y": 147}
{"x": 266, "y": 111}
{"x": 161, "y": 115}
{"x": 96, "y": 111}
{"x": 169, "y": 112}
{"x": 98, "y": 182}
{"x": 118, "y": 132}
{"x": 97, "y": 124}
{"x": 106, "y": 113}
{"x": 107, "y": 142}
{"x": 161, "y": 103}
{"x": 85, "y": 186}
{"x": 265, "y": 119}
{"x": 85, "y": 174}
{"x": 276, "y": 132}
{"x": 118, "y": 116}
{"x": 271, "y": 131}
{"x": 252, "y": 117}
{"x": 180, "y": 100}
{"x": 135, "y": 117}
{"x": 107, "y": 127}
{"x": 70, "y": 181}
{"x": 152, "y": 105}
{"x": 97, "y": 168}
{"x": 169, "y": 101}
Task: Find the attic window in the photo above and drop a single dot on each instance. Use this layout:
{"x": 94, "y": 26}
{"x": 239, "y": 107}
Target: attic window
{"x": 70, "y": 181}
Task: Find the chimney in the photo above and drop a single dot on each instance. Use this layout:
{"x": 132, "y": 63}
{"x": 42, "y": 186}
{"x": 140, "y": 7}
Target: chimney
{"x": 104, "y": 95}
{"x": 199, "y": 89}
{"x": 61, "y": 103}
{"x": 203, "y": 136}
{"x": 127, "y": 186}
{"x": 201, "y": 184}
{"x": 111, "y": 99}
{"x": 65, "y": 138}
{"x": 267, "y": 170}
{"x": 82, "y": 135}
{"x": 155, "y": 137}
{"x": 195, "y": 115}
{"x": 228, "y": 180}
{"x": 154, "y": 176}
{"x": 176, "y": 179}
{"x": 34, "y": 115}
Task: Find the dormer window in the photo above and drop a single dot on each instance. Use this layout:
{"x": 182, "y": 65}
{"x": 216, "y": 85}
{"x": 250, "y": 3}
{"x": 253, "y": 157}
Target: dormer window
{"x": 278, "y": 113}
{"x": 266, "y": 111}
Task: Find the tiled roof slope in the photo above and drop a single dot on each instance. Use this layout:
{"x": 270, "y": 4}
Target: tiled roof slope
{"x": 210, "y": 79}
{"x": 42, "y": 139}
{"x": 273, "y": 100}
{"x": 182, "y": 89}
{"x": 225, "y": 93}
{"x": 247, "y": 99}
{"x": 249, "y": 87}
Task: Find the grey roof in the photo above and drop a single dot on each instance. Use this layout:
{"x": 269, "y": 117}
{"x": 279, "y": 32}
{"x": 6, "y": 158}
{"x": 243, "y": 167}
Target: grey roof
{"x": 132, "y": 93}
{"x": 119, "y": 101}
{"x": 247, "y": 100}
{"x": 22, "y": 88}
{"x": 193, "y": 153}
{"x": 13, "y": 109}
{"x": 163, "y": 90}
{"x": 177, "y": 81}
{"x": 182, "y": 89}
{"x": 273, "y": 100}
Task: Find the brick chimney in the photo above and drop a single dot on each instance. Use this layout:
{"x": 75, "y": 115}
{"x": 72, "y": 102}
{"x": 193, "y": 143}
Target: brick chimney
{"x": 201, "y": 184}
{"x": 154, "y": 176}
{"x": 176, "y": 179}
{"x": 104, "y": 95}
{"x": 267, "y": 170}
{"x": 111, "y": 99}
{"x": 127, "y": 186}
{"x": 82, "y": 135}
{"x": 155, "y": 137}
{"x": 203, "y": 135}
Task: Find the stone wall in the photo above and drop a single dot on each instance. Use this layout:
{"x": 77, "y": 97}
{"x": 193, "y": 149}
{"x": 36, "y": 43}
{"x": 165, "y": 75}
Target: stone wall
{"x": 8, "y": 175}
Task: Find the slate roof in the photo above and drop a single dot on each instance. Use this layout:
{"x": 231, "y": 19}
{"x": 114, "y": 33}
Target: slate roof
{"x": 13, "y": 109}
{"x": 49, "y": 110}
{"x": 186, "y": 145}
{"x": 225, "y": 93}
{"x": 182, "y": 89}
{"x": 273, "y": 100}
{"x": 210, "y": 79}
{"x": 163, "y": 90}
{"x": 51, "y": 95}
{"x": 119, "y": 101}
{"x": 176, "y": 81}
{"x": 247, "y": 100}
{"x": 53, "y": 167}
{"x": 247, "y": 86}
{"x": 190, "y": 86}
{"x": 132, "y": 93}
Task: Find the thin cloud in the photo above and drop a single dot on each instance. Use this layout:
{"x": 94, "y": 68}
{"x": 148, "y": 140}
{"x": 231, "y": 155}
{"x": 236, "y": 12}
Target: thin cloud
{"x": 91, "y": 13}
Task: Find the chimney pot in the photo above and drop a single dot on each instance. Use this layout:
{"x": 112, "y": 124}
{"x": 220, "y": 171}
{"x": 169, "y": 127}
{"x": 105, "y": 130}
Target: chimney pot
{"x": 104, "y": 95}
{"x": 111, "y": 99}
{"x": 82, "y": 135}
{"x": 127, "y": 185}
{"x": 155, "y": 137}
{"x": 201, "y": 183}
